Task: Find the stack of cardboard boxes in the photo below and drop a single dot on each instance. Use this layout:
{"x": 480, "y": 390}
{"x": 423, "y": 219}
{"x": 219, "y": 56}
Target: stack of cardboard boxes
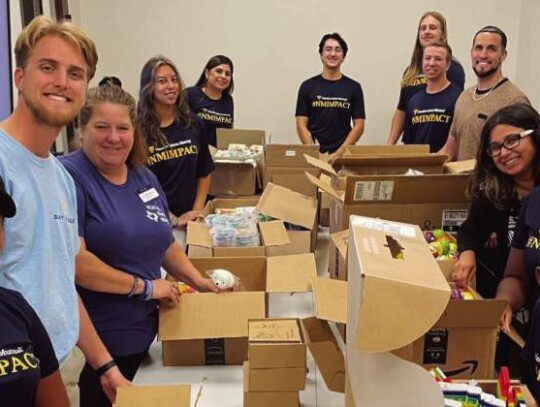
{"x": 275, "y": 371}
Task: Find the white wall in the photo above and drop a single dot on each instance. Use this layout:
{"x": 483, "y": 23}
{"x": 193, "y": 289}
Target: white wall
{"x": 528, "y": 75}
{"x": 274, "y": 46}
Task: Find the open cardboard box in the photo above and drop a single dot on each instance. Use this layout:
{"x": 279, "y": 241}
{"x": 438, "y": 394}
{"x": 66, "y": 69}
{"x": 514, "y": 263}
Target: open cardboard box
{"x": 460, "y": 167}
{"x": 154, "y": 396}
{"x": 285, "y": 165}
{"x": 430, "y": 201}
{"x": 208, "y": 328}
{"x": 277, "y": 202}
{"x": 234, "y": 178}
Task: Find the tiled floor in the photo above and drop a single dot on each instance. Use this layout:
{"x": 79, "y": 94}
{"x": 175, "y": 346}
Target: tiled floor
{"x": 221, "y": 386}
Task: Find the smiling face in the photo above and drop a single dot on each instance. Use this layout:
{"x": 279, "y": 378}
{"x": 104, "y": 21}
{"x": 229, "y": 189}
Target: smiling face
{"x": 429, "y": 31}
{"x": 219, "y": 77}
{"x": 487, "y": 54}
{"x": 167, "y": 86}
{"x": 332, "y": 54}
{"x": 52, "y": 85}
{"x": 435, "y": 62}
{"x": 108, "y": 136}
{"x": 517, "y": 161}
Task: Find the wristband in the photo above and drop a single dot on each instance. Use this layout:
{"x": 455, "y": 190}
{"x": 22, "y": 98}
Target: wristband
{"x": 145, "y": 289}
{"x": 150, "y": 293}
{"x": 134, "y": 288}
{"x": 100, "y": 371}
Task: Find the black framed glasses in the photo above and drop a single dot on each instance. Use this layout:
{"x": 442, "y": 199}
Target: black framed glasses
{"x": 510, "y": 142}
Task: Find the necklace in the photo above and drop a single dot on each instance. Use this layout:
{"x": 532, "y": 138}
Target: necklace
{"x": 482, "y": 94}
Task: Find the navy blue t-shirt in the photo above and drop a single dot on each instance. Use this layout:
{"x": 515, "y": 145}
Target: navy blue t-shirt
{"x": 531, "y": 351}
{"x": 180, "y": 164}
{"x": 527, "y": 238}
{"x": 330, "y": 106}
{"x": 127, "y": 227}
{"x": 428, "y": 117}
{"x": 214, "y": 113}
{"x": 455, "y": 74}
{"x": 26, "y": 352}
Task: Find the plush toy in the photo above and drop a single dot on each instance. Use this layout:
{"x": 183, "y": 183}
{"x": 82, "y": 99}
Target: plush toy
{"x": 223, "y": 279}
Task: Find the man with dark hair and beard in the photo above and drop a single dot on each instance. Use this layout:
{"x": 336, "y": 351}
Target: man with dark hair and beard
{"x": 492, "y": 92}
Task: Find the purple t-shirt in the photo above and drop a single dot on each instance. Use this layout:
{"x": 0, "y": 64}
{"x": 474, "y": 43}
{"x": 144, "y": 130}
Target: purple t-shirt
{"x": 127, "y": 227}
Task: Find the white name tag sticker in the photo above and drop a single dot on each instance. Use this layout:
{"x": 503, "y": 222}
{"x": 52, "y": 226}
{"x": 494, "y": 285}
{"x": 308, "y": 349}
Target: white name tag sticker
{"x": 148, "y": 195}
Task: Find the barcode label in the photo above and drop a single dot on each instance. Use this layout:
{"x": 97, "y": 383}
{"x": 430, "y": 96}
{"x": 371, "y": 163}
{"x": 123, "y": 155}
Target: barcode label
{"x": 383, "y": 226}
{"x": 452, "y": 219}
{"x": 290, "y": 153}
{"x": 373, "y": 190}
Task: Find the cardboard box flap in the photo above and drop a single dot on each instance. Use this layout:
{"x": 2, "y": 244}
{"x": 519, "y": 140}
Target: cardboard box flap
{"x": 393, "y": 150}
{"x": 330, "y": 298}
{"x": 224, "y": 137}
{"x": 324, "y": 185}
{"x": 209, "y": 315}
{"x": 402, "y": 189}
{"x": 460, "y": 167}
{"x": 341, "y": 241}
{"x": 291, "y": 273}
{"x": 320, "y": 164}
{"x": 198, "y": 235}
{"x": 154, "y": 396}
{"x": 289, "y": 206}
{"x": 411, "y": 161}
{"x": 289, "y": 155}
{"x": 482, "y": 313}
{"x": 399, "y": 277}
{"x": 324, "y": 348}
{"x": 273, "y": 233}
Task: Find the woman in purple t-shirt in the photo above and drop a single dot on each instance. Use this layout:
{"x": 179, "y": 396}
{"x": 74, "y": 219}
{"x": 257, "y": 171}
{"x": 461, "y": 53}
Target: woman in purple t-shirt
{"x": 125, "y": 236}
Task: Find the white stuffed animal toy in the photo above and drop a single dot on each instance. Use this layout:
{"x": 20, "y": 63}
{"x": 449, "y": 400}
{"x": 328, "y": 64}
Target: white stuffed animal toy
{"x": 223, "y": 279}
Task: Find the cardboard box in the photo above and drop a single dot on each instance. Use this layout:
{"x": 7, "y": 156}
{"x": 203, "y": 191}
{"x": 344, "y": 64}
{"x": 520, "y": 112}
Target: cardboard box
{"x": 271, "y": 399}
{"x": 233, "y": 178}
{"x": 396, "y": 293}
{"x": 387, "y": 150}
{"x": 286, "y": 379}
{"x": 459, "y": 167}
{"x": 337, "y": 255}
{"x": 276, "y": 343}
{"x": 153, "y": 396}
{"x": 200, "y": 243}
{"x": 285, "y": 165}
{"x": 207, "y": 328}
{"x": 463, "y": 341}
{"x": 296, "y": 209}
{"x": 277, "y": 202}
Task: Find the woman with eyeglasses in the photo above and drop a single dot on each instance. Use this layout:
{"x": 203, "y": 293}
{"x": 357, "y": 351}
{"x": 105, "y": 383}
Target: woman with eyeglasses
{"x": 507, "y": 165}
{"x": 211, "y": 97}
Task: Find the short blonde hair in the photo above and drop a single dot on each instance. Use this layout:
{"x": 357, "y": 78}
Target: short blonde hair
{"x": 41, "y": 27}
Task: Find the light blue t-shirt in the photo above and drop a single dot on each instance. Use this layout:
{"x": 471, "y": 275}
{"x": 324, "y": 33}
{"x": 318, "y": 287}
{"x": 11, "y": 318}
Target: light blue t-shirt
{"x": 41, "y": 241}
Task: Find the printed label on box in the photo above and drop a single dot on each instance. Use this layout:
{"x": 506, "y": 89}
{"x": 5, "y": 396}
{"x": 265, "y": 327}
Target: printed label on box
{"x": 214, "y": 351}
{"x": 377, "y": 224}
{"x": 373, "y": 190}
{"x": 452, "y": 219}
{"x": 290, "y": 153}
{"x": 435, "y": 346}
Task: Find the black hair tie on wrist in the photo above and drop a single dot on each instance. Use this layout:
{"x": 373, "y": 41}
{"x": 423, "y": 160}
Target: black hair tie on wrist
{"x": 100, "y": 371}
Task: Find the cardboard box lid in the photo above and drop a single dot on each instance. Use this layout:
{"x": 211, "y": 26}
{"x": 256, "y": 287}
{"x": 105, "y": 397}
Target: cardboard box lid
{"x": 481, "y": 313}
{"x": 395, "y": 149}
{"x": 330, "y": 298}
{"x": 410, "y": 161}
{"x": 291, "y": 273}
{"x": 394, "y": 277}
{"x": 282, "y": 203}
{"x": 320, "y": 164}
{"x": 460, "y": 167}
{"x": 274, "y": 330}
{"x": 272, "y": 233}
{"x": 209, "y": 315}
{"x": 154, "y": 396}
{"x": 341, "y": 241}
{"x": 324, "y": 185}
{"x": 224, "y": 137}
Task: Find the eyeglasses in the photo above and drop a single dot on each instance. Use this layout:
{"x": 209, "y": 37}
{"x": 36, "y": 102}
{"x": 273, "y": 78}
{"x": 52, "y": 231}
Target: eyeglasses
{"x": 510, "y": 142}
